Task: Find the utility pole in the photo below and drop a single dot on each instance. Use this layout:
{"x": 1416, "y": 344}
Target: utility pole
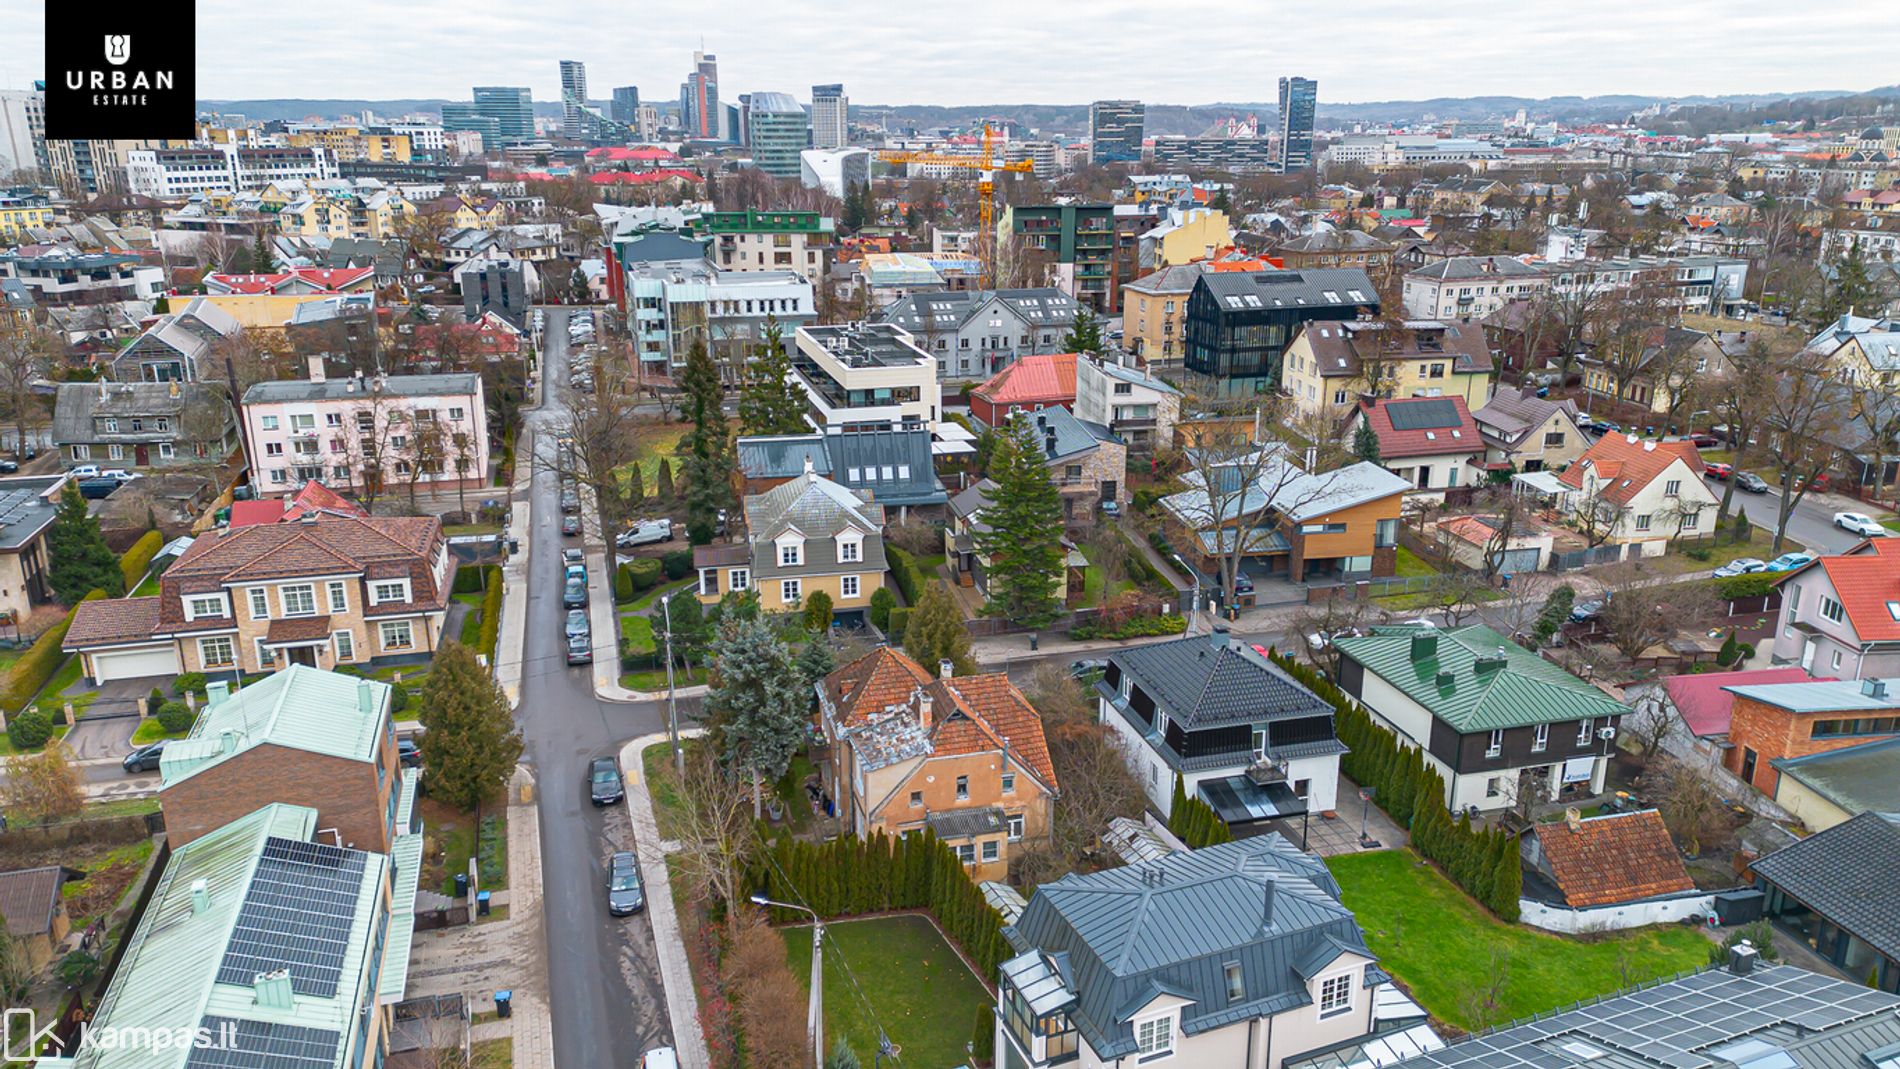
{"x": 815, "y": 1008}
{"x": 672, "y": 712}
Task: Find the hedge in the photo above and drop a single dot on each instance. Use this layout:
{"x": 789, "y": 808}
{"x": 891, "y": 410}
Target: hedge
{"x": 1194, "y": 822}
{"x": 175, "y": 717}
{"x": 468, "y": 579}
{"x": 1751, "y": 585}
{"x": 623, "y": 585}
{"x": 1483, "y": 861}
{"x": 1143, "y": 573}
{"x": 29, "y": 730}
{"x": 851, "y": 876}
{"x": 910, "y": 581}
{"x": 1134, "y": 627}
{"x": 138, "y": 560}
{"x": 678, "y": 564}
{"x": 882, "y": 603}
{"x": 491, "y": 615}
{"x": 644, "y": 573}
{"x": 900, "y": 619}
{"x": 38, "y": 664}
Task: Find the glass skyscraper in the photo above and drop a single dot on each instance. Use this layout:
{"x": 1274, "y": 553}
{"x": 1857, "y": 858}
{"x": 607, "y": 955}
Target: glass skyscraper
{"x": 777, "y": 125}
{"x": 1297, "y": 99}
{"x": 1115, "y": 130}
{"x": 512, "y": 108}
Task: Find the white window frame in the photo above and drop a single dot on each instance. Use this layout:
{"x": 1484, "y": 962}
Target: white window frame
{"x": 1009, "y": 783}
{"x": 267, "y": 423}
{"x": 205, "y": 661}
{"x": 848, "y": 586}
{"x": 284, "y": 593}
{"x": 1540, "y": 738}
{"x": 260, "y": 603}
{"x": 1832, "y": 609}
{"x": 193, "y": 612}
{"x": 850, "y": 550}
{"x": 992, "y": 851}
{"x": 790, "y": 591}
{"x": 1584, "y": 727}
{"x": 1333, "y": 1001}
{"x": 1014, "y": 822}
{"x": 739, "y": 579}
{"x": 343, "y": 644}
{"x": 1495, "y": 744}
{"x": 1154, "y": 1036}
{"x": 791, "y": 554}
{"x": 379, "y": 596}
{"x": 338, "y": 595}
{"x": 966, "y": 853}
{"x": 383, "y": 631}
{"x": 963, "y": 788}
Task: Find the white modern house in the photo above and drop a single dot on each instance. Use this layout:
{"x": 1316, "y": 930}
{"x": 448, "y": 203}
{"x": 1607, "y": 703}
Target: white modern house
{"x": 1840, "y": 615}
{"x": 866, "y": 376}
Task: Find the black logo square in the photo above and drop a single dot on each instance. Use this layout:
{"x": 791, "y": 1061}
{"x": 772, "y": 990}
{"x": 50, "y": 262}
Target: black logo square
{"x": 114, "y": 71}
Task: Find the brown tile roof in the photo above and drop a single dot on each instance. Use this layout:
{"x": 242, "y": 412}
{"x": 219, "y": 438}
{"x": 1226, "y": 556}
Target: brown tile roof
{"x": 111, "y": 621}
{"x": 1619, "y": 858}
{"x": 302, "y": 629}
{"x": 29, "y": 897}
{"x": 872, "y": 683}
{"x": 1627, "y": 464}
{"x": 1338, "y": 347}
{"x": 993, "y": 712}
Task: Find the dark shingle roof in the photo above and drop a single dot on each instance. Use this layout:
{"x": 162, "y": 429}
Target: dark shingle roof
{"x": 1846, "y": 874}
{"x": 1332, "y": 287}
{"x": 28, "y": 898}
{"x": 1200, "y": 684}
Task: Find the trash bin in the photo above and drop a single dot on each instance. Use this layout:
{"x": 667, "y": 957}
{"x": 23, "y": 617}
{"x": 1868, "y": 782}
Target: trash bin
{"x": 461, "y": 885}
{"x": 504, "y": 1003}
{"x": 1740, "y": 906}
{"x": 481, "y": 903}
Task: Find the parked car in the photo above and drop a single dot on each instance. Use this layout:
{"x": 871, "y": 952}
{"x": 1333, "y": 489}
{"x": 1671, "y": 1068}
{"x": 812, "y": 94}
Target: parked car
{"x": 1585, "y": 611}
{"x": 577, "y": 622}
{"x": 604, "y": 785}
{"x": 574, "y": 594}
{"x": 145, "y": 758}
{"x": 570, "y": 501}
{"x": 1741, "y": 566}
{"x": 573, "y": 556}
{"x": 1859, "y": 523}
{"x": 624, "y": 896}
{"x": 98, "y": 488}
{"x": 1750, "y": 482}
{"x": 408, "y": 753}
{"x": 580, "y": 649}
{"x": 660, "y": 1058}
{"x": 1788, "y": 562}
{"x": 1719, "y": 471}
{"x": 120, "y": 474}
{"x": 1087, "y": 669}
{"x": 8, "y": 467}
{"x": 570, "y": 525}
{"x": 85, "y": 471}
{"x": 1820, "y": 485}
{"x": 647, "y": 533}
{"x": 575, "y": 571}
{"x": 1705, "y": 441}
{"x": 1112, "y": 508}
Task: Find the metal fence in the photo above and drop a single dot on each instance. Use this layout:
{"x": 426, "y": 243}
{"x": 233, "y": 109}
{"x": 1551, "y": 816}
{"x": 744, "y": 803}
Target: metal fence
{"x": 1584, "y": 558}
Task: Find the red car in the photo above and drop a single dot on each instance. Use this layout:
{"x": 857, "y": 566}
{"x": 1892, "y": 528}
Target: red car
{"x": 1821, "y": 482}
{"x": 1719, "y": 471}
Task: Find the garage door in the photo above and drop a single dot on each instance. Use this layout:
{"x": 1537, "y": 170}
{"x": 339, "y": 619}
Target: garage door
{"x": 1516, "y": 561}
{"x": 135, "y": 664}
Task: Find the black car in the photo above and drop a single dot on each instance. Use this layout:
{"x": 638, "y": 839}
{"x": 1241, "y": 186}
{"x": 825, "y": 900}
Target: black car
{"x": 624, "y": 896}
{"x": 1751, "y": 482}
{"x": 574, "y": 596}
{"x": 8, "y": 467}
{"x": 603, "y": 782}
{"x": 1585, "y": 611}
{"x": 570, "y": 525}
{"x": 408, "y": 753}
{"x": 145, "y": 758}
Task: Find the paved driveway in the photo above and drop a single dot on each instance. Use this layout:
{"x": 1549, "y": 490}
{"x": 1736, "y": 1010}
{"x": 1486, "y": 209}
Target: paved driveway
{"x": 101, "y": 739}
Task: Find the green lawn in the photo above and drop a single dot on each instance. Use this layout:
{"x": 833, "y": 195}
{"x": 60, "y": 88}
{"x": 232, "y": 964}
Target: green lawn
{"x": 148, "y": 587}
{"x": 151, "y": 731}
{"x": 1679, "y": 561}
{"x": 1409, "y": 565}
{"x": 456, "y": 530}
{"x": 1439, "y": 942}
{"x": 655, "y": 680}
{"x": 651, "y": 598}
{"x": 915, "y": 984}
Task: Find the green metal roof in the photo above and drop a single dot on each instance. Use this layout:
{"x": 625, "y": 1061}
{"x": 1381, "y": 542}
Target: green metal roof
{"x": 297, "y": 707}
{"x": 168, "y": 978}
{"x": 1525, "y": 690}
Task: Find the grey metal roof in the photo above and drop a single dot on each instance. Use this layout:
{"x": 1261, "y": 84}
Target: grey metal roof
{"x": 858, "y": 459}
{"x": 1118, "y": 938}
{"x": 1847, "y": 875}
{"x": 1825, "y": 1023}
{"x": 1061, "y": 435}
{"x": 1203, "y": 682}
{"x": 78, "y": 403}
{"x": 1310, "y": 287}
{"x": 25, "y": 510}
{"x": 782, "y": 456}
{"x": 1857, "y": 778}
{"x": 1476, "y": 267}
{"x": 967, "y": 823}
{"x": 660, "y": 245}
{"x": 450, "y": 384}
{"x": 1824, "y": 696}
{"x": 918, "y": 312}
{"x": 820, "y": 510}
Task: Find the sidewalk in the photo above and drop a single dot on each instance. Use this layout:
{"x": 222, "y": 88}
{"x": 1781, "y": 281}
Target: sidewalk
{"x": 676, "y": 975}
{"x": 512, "y": 638}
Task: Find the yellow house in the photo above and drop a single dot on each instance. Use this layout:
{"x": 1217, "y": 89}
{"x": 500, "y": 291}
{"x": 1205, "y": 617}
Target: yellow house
{"x": 374, "y": 216}
{"x": 1154, "y": 313}
{"x": 351, "y": 143}
{"x": 1194, "y": 234}
{"x": 803, "y": 536}
{"x": 262, "y": 311}
{"x": 15, "y": 218}
{"x": 463, "y": 210}
{"x": 1330, "y": 365}
{"x": 1860, "y": 349}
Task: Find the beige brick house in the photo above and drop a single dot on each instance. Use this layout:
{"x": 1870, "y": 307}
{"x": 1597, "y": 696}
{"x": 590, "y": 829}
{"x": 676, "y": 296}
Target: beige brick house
{"x": 323, "y": 591}
{"x": 963, "y": 756}
{"x": 803, "y": 536}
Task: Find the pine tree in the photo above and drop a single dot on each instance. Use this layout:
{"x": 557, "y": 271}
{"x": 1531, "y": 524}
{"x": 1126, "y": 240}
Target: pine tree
{"x": 936, "y": 633}
{"x": 756, "y": 705}
{"x": 1741, "y": 531}
{"x": 1177, "y": 806}
{"x": 1024, "y": 516}
{"x": 81, "y": 560}
{"x": 1508, "y": 880}
{"x": 706, "y": 449}
{"x": 983, "y": 1035}
{"x": 1365, "y": 442}
{"x": 815, "y": 662}
{"x": 262, "y": 261}
{"x": 771, "y": 401}
{"x": 664, "y": 485}
{"x": 636, "y": 487}
{"x": 1085, "y": 334}
{"x": 473, "y": 744}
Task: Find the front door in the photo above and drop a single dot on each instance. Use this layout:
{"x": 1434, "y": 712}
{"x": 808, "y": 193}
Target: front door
{"x": 142, "y": 456}
{"x": 1748, "y": 766}
{"x": 303, "y": 655}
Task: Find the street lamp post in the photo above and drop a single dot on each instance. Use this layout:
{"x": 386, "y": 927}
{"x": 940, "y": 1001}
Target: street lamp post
{"x": 672, "y": 713}
{"x": 814, "y": 1010}
{"x": 1365, "y": 811}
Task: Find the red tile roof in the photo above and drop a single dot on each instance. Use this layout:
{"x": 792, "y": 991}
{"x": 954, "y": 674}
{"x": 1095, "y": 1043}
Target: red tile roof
{"x": 313, "y": 498}
{"x": 1704, "y": 704}
{"x": 328, "y": 279}
{"x": 1628, "y": 464}
{"x": 1452, "y": 431}
{"x": 111, "y": 622}
{"x": 1619, "y": 858}
{"x": 624, "y": 154}
{"x": 1032, "y": 379}
{"x": 639, "y": 178}
{"x": 1867, "y": 580}
{"x": 872, "y": 683}
{"x": 989, "y": 713}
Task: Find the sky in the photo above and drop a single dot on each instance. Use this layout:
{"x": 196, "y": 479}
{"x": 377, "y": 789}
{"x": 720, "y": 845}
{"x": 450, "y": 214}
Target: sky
{"x": 1009, "y": 51}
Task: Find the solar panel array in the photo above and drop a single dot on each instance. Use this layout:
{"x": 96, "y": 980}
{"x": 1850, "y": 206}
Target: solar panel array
{"x": 14, "y": 505}
{"x": 236, "y": 1044}
{"x": 296, "y": 916}
{"x": 1671, "y": 1026}
{"x": 1432, "y": 414}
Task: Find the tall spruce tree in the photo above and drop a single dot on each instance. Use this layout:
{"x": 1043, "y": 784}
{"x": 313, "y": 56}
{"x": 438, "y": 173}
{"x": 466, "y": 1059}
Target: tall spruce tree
{"x": 81, "y": 560}
{"x": 1365, "y": 442}
{"x": 1085, "y": 334}
{"x": 706, "y": 449}
{"x": 756, "y": 703}
{"x": 936, "y": 633}
{"x": 772, "y": 402}
{"x": 473, "y": 744}
{"x": 1024, "y": 539}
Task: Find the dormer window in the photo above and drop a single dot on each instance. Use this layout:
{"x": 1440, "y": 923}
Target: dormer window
{"x": 1154, "y": 1036}
{"x": 791, "y": 554}
{"x": 850, "y": 547}
{"x": 1335, "y": 995}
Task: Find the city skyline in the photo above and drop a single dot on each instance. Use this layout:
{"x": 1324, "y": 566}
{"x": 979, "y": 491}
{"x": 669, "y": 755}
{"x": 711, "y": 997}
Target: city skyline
{"x": 1617, "y": 47}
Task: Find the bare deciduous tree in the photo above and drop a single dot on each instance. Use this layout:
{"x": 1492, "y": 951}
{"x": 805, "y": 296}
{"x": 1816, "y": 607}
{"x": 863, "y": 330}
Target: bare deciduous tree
{"x": 1639, "y": 613}
{"x": 1097, "y": 784}
{"x": 26, "y": 357}
{"x": 1648, "y": 726}
{"x": 43, "y": 786}
{"x": 714, "y": 825}
{"x": 1804, "y": 414}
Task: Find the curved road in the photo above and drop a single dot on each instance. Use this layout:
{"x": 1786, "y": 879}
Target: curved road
{"x": 606, "y": 1000}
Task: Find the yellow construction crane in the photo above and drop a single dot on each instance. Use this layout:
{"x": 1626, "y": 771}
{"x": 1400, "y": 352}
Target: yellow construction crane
{"x": 986, "y": 167}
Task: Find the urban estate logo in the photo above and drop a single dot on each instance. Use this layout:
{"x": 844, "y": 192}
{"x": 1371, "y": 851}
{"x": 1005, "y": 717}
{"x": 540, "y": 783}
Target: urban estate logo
{"x": 112, "y": 90}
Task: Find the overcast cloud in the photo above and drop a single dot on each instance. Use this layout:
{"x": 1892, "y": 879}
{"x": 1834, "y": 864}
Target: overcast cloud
{"x": 1012, "y": 51}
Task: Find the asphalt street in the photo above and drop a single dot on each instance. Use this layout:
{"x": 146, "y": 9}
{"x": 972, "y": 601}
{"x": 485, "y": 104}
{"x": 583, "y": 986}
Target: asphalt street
{"x": 607, "y": 1003}
{"x": 1811, "y": 523}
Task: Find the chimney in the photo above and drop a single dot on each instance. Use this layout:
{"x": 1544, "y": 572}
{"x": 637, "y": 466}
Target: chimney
{"x": 200, "y": 896}
{"x": 365, "y": 698}
{"x": 926, "y": 709}
{"x": 1573, "y": 819}
{"x": 227, "y": 741}
{"x": 808, "y": 467}
{"x": 946, "y": 669}
{"x": 1741, "y": 958}
{"x": 1874, "y": 688}
{"x": 1266, "y": 904}
{"x": 272, "y": 990}
{"x": 1489, "y": 662}
{"x": 1424, "y": 645}
{"x": 316, "y": 368}
{"x": 1217, "y": 638}
{"x": 1444, "y": 679}
{"x": 216, "y": 693}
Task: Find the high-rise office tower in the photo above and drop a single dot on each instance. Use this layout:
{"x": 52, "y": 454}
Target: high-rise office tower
{"x": 829, "y": 108}
{"x": 1297, "y": 98}
{"x": 573, "y": 96}
{"x": 1115, "y": 130}
{"x": 626, "y": 105}
{"x": 777, "y": 125}
{"x": 699, "y": 100}
{"x": 23, "y": 131}
{"x": 512, "y": 108}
